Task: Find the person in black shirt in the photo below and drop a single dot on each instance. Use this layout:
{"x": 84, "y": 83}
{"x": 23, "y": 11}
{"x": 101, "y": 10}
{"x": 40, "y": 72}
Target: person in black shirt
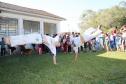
{"x": 3, "y": 50}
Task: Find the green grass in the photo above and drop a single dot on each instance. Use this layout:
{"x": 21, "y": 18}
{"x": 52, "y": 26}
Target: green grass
{"x": 91, "y": 68}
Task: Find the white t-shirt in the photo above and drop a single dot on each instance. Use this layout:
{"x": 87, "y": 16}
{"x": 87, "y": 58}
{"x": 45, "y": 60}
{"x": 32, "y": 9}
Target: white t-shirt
{"x": 76, "y": 41}
{"x": 111, "y": 38}
{"x": 71, "y": 38}
{"x": 124, "y": 34}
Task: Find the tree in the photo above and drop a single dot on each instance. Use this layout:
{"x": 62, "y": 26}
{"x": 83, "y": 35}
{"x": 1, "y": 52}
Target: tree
{"x": 108, "y": 18}
{"x": 86, "y": 18}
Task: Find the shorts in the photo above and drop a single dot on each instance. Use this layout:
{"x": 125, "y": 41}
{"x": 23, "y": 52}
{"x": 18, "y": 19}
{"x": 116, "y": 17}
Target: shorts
{"x": 112, "y": 45}
{"x": 75, "y": 49}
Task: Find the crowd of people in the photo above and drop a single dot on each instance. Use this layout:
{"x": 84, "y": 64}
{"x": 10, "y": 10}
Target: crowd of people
{"x": 73, "y": 42}
{"x": 112, "y": 41}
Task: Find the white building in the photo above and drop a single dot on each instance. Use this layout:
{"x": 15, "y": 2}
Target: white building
{"x": 16, "y": 20}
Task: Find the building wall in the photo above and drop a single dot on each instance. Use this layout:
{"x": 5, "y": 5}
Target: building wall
{"x": 50, "y": 28}
{"x": 32, "y": 18}
{"x": 31, "y": 26}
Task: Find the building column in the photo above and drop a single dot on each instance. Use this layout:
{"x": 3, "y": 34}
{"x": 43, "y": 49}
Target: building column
{"x": 42, "y": 27}
{"x": 20, "y": 26}
{"x": 58, "y": 27}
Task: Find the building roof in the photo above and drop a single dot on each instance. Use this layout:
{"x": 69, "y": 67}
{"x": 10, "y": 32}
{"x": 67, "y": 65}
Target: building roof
{"x": 29, "y": 10}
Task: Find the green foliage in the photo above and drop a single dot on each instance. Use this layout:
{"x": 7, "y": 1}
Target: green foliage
{"x": 122, "y": 4}
{"x": 108, "y": 18}
{"x": 90, "y": 68}
{"x": 86, "y": 19}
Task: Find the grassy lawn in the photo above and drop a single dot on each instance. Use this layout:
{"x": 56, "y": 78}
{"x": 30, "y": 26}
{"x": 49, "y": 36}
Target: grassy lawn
{"x": 91, "y": 68}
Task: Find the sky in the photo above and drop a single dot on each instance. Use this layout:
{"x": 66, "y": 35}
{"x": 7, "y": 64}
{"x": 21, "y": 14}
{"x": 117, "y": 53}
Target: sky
{"x": 71, "y": 10}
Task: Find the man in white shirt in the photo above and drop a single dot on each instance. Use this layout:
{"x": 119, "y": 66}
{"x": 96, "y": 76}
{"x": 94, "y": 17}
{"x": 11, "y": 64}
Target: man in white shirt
{"x": 76, "y": 43}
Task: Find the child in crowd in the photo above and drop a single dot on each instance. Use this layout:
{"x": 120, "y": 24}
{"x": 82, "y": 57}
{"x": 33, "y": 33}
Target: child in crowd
{"x": 89, "y": 45}
{"x": 118, "y": 40}
{"x": 85, "y": 46}
{"x": 97, "y": 46}
{"x": 40, "y": 49}
{"x": 111, "y": 42}
{"x": 107, "y": 42}
{"x": 65, "y": 46}
{"x": 93, "y": 44}
{"x": 3, "y": 50}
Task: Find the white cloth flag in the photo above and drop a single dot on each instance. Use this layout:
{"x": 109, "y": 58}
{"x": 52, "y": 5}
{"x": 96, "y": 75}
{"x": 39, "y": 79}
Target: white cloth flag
{"x": 34, "y": 38}
{"x": 91, "y": 33}
{"x": 17, "y": 40}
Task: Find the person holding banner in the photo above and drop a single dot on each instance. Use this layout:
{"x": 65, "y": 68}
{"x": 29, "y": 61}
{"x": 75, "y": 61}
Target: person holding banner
{"x": 50, "y": 43}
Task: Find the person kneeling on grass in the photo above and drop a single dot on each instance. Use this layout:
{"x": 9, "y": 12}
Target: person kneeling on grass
{"x": 76, "y": 44}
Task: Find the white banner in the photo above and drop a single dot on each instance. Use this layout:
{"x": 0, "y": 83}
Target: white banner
{"x": 91, "y": 33}
{"x": 17, "y": 40}
{"x": 34, "y": 38}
